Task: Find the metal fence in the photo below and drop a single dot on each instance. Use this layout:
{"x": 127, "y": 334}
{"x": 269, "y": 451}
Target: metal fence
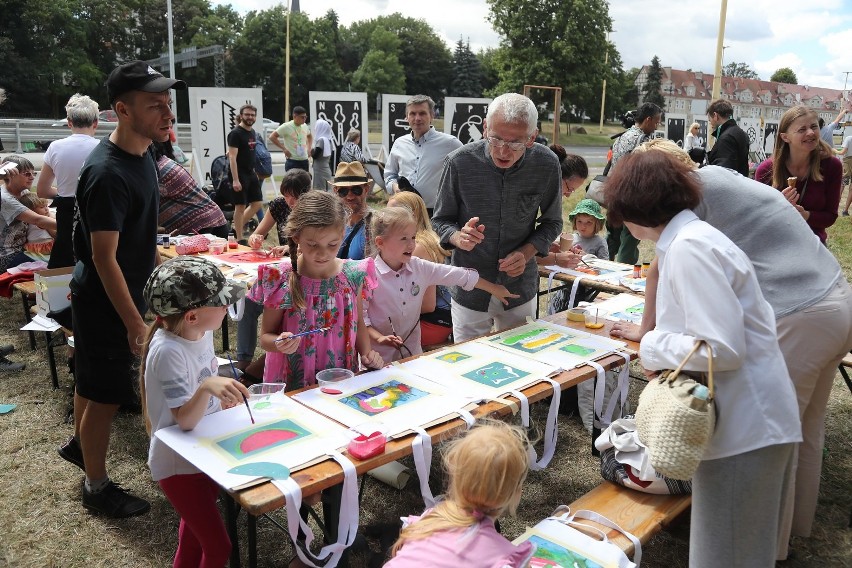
{"x": 28, "y": 135}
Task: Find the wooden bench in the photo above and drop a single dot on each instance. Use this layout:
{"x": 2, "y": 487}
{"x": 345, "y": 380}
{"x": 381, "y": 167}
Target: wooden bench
{"x": 641, "y": 514}
{"x": 846, "y": 363}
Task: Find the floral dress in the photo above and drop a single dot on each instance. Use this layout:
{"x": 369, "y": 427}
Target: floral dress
{"x": 328, "y": 303}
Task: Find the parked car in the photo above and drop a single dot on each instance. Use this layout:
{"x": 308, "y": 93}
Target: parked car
{"x": 103, "y": 116}
{"x": 269, "y": 124}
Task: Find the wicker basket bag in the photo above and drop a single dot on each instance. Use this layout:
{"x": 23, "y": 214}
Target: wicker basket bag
{"x": 675, "y": 424}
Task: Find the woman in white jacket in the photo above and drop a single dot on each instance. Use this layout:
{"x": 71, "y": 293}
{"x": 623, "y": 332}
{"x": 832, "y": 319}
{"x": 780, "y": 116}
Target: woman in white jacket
{"x": 708, "y": 290}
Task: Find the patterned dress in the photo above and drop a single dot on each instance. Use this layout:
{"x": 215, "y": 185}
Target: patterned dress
{"x": 331, "y": 302}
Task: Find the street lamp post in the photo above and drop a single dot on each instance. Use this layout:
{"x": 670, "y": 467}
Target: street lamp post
{"x": 603, "y": 90}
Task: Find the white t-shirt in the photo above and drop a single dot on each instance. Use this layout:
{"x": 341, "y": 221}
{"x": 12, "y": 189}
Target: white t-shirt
{"x": 66, "y": 157}
{"x": 690, "y": 142}
{"x": 847, "y": 146}
{"x": 174, "y": 369}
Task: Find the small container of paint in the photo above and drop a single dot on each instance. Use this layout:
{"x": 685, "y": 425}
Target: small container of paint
{"x": 637, "y": 271}
{"x": 368, "y": 440}
{"x": 645, "y": 267}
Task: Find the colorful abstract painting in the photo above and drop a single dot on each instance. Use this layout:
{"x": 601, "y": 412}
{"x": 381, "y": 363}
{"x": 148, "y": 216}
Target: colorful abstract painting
{"x": 245, "y": 257}
{"x": 452, "y": 357}
{"x": 380, "y": 398}
{"x": 632, "y": 314}
{"x": 256, "y": 440}
{"x": 533, "y": 340}
{"x": 548, "y": 554}
{"x": 494, "y": 374}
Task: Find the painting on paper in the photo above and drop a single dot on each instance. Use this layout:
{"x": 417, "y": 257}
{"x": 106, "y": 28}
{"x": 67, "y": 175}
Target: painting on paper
{"x": 261, "y": 438}
{"x": 380, "y": 398}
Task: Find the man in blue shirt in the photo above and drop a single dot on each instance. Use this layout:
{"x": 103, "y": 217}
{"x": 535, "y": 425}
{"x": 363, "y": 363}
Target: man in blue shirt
{"x": 826, "y": 131}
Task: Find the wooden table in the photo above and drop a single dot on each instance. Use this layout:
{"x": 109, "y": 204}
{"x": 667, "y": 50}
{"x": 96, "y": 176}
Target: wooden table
{"x": 566, "y": 281}
{"x": 266, "y": 497}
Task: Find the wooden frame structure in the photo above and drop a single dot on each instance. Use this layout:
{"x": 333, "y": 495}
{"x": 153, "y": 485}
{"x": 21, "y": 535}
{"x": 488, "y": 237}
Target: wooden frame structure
{"x": 557, "y": 103}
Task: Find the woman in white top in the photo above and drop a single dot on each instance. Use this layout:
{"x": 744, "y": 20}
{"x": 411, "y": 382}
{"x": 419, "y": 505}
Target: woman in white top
{"x": 708, "y": 290}
{"x": 321, "y": 153}
{"x": 691, "y": 141}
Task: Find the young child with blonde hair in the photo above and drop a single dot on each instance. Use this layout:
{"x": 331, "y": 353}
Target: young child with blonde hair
{"x": 486, "y": 470}
{"x": 392, "y": 315}
{"x": 312, "y": 290}
{"x": 39, "y": 241}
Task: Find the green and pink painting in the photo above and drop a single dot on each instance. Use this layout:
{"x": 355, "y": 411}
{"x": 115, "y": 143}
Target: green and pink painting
{"x": 548, "y": 554}
{"x": 261, "y": 438}
{"x": 495, "y": 374}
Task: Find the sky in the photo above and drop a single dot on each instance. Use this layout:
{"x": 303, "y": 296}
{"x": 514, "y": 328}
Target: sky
{"x": 812, "y": 37}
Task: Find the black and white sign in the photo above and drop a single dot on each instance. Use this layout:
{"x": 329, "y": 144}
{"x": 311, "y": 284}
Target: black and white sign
{"x": 344, "y": 111}
{"x": 464, "y": 118}
{"x": 676, "y": 128}
{"x": 213, "y": 113}
{"x": 394, "y": 121}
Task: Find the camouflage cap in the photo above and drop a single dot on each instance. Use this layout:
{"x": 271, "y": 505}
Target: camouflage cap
{"x": 188, "y": 282}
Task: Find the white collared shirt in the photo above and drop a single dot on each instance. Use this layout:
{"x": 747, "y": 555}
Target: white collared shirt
{"x": 421, "y": 161}
{"x": 708, "y": 290}
{"x": 399, "y": 296}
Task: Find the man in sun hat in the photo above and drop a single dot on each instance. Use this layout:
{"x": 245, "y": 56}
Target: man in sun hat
{"x": 352, "y": 185}
{"x": 194, "y": 282}
{"x": 115, "y": 242}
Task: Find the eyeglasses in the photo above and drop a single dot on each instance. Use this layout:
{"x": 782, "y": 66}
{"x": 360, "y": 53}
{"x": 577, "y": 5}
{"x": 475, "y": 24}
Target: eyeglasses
{"x": 499, "y": 143}
{"x": 356, "y": 190}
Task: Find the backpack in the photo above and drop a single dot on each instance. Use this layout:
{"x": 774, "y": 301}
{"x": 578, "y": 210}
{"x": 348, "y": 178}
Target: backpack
{"x": 263, "y": 159}
{"x": 220, "y": 177}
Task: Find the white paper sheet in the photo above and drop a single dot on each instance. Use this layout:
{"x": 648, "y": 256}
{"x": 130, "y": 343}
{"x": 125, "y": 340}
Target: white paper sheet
{"x": 393, "y": 397}
{"x": 284, "y": 433}
{"x": 595, "y": 269}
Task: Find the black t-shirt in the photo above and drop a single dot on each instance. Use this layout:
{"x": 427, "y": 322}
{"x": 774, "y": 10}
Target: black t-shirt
{"x": 116, "y": 191}
{"x": 244, "y": 141}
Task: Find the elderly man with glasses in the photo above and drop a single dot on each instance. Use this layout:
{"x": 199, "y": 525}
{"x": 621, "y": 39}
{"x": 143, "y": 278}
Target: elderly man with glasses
{"x": 499, "y": 205}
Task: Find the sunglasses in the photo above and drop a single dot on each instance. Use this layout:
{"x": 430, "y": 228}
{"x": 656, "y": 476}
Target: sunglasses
{"x": 356, "y": 190}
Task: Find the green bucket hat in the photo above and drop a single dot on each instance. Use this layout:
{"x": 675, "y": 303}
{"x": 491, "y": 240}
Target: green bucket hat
{"x": 587, "y": 207}
{"x": 189, "y": 282}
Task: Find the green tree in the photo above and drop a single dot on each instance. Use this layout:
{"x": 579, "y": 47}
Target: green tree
{"x": 380, "y": 71}
{"x": 425, "y": 58}
{"x": 652, "y": 91}
{"x": 785, "y": 75}
{"x": 467, "y": 72}
{"x": 552, "y": 42}
{"x": 489, "y": 68}
{"x": 734, "y": 69}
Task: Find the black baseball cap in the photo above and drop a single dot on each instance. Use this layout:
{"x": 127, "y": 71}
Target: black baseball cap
{"x": 138, "y": 76}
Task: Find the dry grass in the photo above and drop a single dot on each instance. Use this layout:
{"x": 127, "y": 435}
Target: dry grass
{"x": 44, "y": 524}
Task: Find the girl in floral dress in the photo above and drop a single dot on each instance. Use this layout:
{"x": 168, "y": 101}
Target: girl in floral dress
{"x": 311, "y": 290}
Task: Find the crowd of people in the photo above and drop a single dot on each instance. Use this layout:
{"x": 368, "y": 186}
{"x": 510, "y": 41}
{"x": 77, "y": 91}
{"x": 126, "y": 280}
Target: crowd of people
{"x": 453, "y": 256}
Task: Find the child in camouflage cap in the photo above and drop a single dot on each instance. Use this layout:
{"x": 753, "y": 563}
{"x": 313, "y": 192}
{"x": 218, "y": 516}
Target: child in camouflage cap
{"x": 189, "y": 296}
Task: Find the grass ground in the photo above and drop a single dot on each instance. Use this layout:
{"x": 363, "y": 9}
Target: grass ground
{"x": 43, "y": 524}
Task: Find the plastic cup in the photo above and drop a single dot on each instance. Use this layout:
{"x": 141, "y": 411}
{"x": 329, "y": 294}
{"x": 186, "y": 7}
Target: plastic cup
{"x": 595, "y": 317}
{"x": 218, "y": 246}
{"x": 265, "y": 389}
{"x": 328, "y": 377}
{"x": 577, "y": 314}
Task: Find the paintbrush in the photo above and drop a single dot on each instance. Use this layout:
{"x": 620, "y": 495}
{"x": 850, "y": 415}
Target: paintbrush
{"x": 245, "y": 400}
{"x": 303, "y": 333}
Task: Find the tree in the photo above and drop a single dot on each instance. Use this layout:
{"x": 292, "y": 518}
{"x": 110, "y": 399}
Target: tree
{"x": 380, "y": 71}
{"x": 490, "y": 70}
{"x": 742, "y": 70}
{"x": 467, "y": 73}
{"x": 785, "y": 75}
{"x": 652, "y": 91}
{"x": 425, "y": 58}
{"x": 558, "y": 43}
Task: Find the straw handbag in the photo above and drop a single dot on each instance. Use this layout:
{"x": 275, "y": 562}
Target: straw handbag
{"x": 675, "y": 424}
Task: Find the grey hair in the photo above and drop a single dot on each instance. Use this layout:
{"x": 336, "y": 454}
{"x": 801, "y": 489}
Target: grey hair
{"x": 81, "y": 110}
{"x": 353, "y": 134}
{"x": 514, "y": 109}
{"x": 419, "y": 100}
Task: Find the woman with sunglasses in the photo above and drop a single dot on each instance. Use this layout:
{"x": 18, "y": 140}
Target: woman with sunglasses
{"x": 14, "y": 215}
{"x": 352, "y": 185}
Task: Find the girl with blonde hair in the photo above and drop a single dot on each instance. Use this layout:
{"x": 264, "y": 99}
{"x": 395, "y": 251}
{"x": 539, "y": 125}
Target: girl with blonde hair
{"x": 392, "y": 313}
{"x": 804, "y": 168}
{"x": 486, "y": 470}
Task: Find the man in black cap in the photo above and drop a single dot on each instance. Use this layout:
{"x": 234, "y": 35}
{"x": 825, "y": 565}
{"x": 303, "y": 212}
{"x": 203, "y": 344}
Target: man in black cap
{"x": 115, "y": 240}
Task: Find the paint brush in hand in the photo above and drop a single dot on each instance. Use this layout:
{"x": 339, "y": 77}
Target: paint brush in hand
{"x": 245, "y": 400}
{"x": 303, "y": 333}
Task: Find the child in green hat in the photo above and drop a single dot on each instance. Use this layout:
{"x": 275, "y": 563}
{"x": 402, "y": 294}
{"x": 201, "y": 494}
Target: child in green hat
{"x": 587, "y": 220}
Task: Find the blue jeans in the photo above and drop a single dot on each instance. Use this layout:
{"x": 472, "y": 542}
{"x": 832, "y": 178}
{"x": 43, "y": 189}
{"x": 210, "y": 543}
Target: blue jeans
{"x": 247, "y": 331}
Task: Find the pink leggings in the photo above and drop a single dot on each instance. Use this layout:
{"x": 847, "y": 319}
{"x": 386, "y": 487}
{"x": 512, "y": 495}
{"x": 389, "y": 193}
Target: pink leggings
{"x": 202, "y": 539}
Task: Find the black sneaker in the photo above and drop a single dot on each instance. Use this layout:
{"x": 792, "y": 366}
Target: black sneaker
{"x": 7, "y": 366}
{"x": 6, "y": 350}
{"x": 115, "y": 502}
{"x": 71, "y": 451}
